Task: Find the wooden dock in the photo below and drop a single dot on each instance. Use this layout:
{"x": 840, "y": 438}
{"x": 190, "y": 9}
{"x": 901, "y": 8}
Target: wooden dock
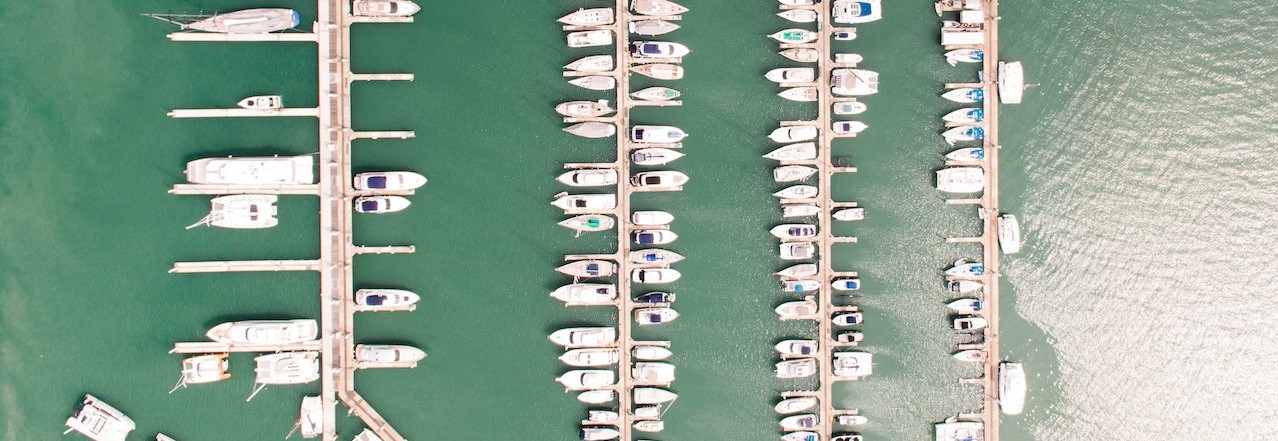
{"x": 990, "y": 205}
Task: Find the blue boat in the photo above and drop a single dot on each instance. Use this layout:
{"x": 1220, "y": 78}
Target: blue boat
{"x": 655, "y": 297}
{"x": 848, "y": 284}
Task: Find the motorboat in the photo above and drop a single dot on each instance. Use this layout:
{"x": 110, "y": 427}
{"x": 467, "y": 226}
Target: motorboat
{"x": 801, "y": 54}
{"x": 853, "y": 364}
{"x": 652, "y": 395}
{"x": 963, "y": 286}
{"x": 655, "y": 180}
{"x": 798, "y": 310}
{"x": 849, "y": 337}
{"x": 586, "y": 223}
{"x": 848, "y": 58}
{"x": 801, "y": 368}
{"x": 389, "y": 355}
{"x": 798, "y": 271}
{"x": 799, "y": 15}
{"x": 650, "y": 353}
{"x": 969, "y": 324}
{"x": 965, "y": 306}
{"x": 965, "y": 269}
{"x": 851, "y": 420}
{"x": 969, "y": 154}
{"x": 1011, "y": 388}
{"x": 856, "y": 11}
{"x": 593, "y": 63}
{"x": 965, "y": 95}
{"x": 1011, "y": 82}
{"x": 372, "y": 299}
{"x": 655, "y": 256}
{"x": 793, "y": 134}
{"x": 651, "y": 218}
{"x": 654, "y": 156}
{"x": 285, "y": 368}
{"x": 854, "y": 82}
{"x": 589, "y": 177}
{"x": 649, "y": 425}
{"x": 660, "y": 71}
{"x": 589, "y": 268}
{"x": 798, "y": 2}
{"x": 592, "y": 129}
{"x": 799, "y": 210}
{"x": 847, "y": 319}
{"x": 957, "y": 5}
{"x": 657, "y": 49}
{"x": 600, "y": 37}
{"x": 655, "y": 316}
{"x": 392, "y": 181}
{"x": 957, "y": 56}
{"x": 849, "y": 214}
{"x": 800, "y": 286}
{"x": 595, "y": 82}
{"x": 846, "y": 284}
{"x": 656, "y": 7}
{"x": 99, "y": 421}
{"x": 652, "y": 27}
{"x": 584, "y": 109}
{"x": 804, "y": 435}
{"x": 795, "y": 405}
{"x": 653, "y": 372}
{"x": 653, "y": 237}
{"x": 589, "y": 17}
{"x": 970, "y": 355}
{"x": 795, "y": 36}
{"x": 591, "y": 357}
{"x": 310, "y": 417}
{"x": 586, "y": 293}
{"x": 586, "y": 337}
{"x": 792, "y": 173}
{"x": 262, "y": 102}
{"x": 586, "y": 379}
{"x": 794, "y": 231}
{"x": 570, "y": 202}
{"x": 601, "y": 417}
{"x": 953, "y": 430}
{"x": 265, "y": 332}
{"x": 656, "y": 94}
{"x": 845, "y": 128}
{"x": 849, "y": 108}
{"x": 599, "y": 433}
{"x": 597, "y": 396}
{"x": 203, "y": 369}
{"x": 960, "y": 180}
{"x": 803, "y": 151}
{"x": 797, "y": 348}
{"x": 964, "y": 133}
{"x": 792, "y": 74}
{"x": 847, "y": 437}
{"x": 799, "y": 422}
{"x": 654, "y": 275}
{"x": 656, "y": 134}
{"x": 381, "y": 204}
{"x": 1009, "y": 234}
{"x": 655, "y": 297}
{"x": 241, "y": 211}
{"x": 383, "y": 8}
{"x": 797, "y": 192}
{"x": 805, "y": 94}
{"x": 797, "y": 250}
{"x": 268, "y": 170}
{"x": 248, "y": 21}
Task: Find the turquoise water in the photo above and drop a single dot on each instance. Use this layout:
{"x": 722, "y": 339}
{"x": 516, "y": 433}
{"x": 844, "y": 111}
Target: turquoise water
{"x": 1141, "y": 166}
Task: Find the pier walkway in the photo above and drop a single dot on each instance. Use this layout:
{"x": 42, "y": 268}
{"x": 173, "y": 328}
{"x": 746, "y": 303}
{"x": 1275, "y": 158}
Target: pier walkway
{"x": 990, "y": 205}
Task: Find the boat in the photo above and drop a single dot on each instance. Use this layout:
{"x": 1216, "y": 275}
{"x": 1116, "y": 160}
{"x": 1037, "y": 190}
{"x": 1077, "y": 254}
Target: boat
{"x": 589, "y": 177}
{"x": 381, "y": 204}
{"x": 656, "y": 134}
{"x": 799, "y": 422}
{"x": 963, "y": 286}
{"x": 241, "y": 211}
{"x": 849, "y": 108}
{"x": 262, "y": 102}
{"x": 846, "y": 284}
{"x": 601, "y": 416}
{"x": 652, "y": 27}
{"x": 795, "y": 36}
{"x": 588, "y": 17}
{"x": 799, "y": 210}
{"x": 650, "y": 425}
{"x": 585, "y": 379}
{"x": 595, "y": 82}
{"x": 99, "y": 421}
{"x": 791, "y": 74}
{"x": 656, "y": 94}
{"x": 801, "y": 436}
{"x": 847, "y": 437}
{"x": 268, "y": 170}
{"x": 586, "y": 293}
{"x": 651, "y": 218}
{"x": 799, "y": 15}
{"x": 798, "y": 271}
{"x": 591, "y": 357}
{"x": 285, "y": 368}
{"x": 964, "y": 268}
{"x": 849, "y": 214}
{"x": 797, "y": 192}
{"x": 794, "y": 231}
{"x": 653, "y": 372}
{"x": 797, "y": 348}
{"x": 953, "y": 430}
{"x": 652, "y": 395}
{"x": 969, "y": 324}
{"x": 853, "y": 364}
{"x": 844, "y": 35}
{"x": 203, "y": 369}
{"x": 585, "y": 337}
{"x": 655, "y": 256}
{"x": 650, "y": 353}
{"x": 596, "y": 396}
{"x": 657, "y": 49}
{"x": 965, "y": 306}
{"x": 601, "y": 37}
{"x": 957, "y": 56}
{"x": 1011, "y": 82}
{"x": 970, "y": 355}
{"x": 393, "y": 180}
{"x": 960, "y": 180}
{"x": 801, "y": 368}
{"x": 847, "y": 319}
{"x": 656, "y": 7}
{"x": 856, "y": 11}
{"x": 803, "y": 94}
{"x": 965, "y": 95}
{"x": 660, "y": 71}
{"x": 854, "y": 82}
{"x": 584, "y": 109}
{"x": 389, "y": 354}
{"x": 588, "y": 223}
{"x": 654, "y": 275}
{"x": 957, "y": 5}
{"x": 851, "y": 420}
{"x": 793, "y": 134}
{"x": 598, "y": 433}
{"x": 801, "y": 54}
{"x": 1011, "y": 388}
{"x": 384, "y": 8}
{"x": 655, "y": 156}
{"x": 963, "y": 133}
{"x": 653, "y": 237}
{"x": 849, "y": 337}
{"x": 842, "y": 128}
{"x": 848, "y": 58}
{"x": 569, "y": 202}
{"x": 659, "y": 180}
{"x": 798, "y": 2}
{"x": 800, "y": 286}
{"x": 593, "y": 63}
{"x": 969, "y": 154}
{"x": 655, "y": 316}
{"x": 1009, "y": 234}
{"x": 797, "y": 250}
{"x": 163, "y": 437}
{"x": 265, "y": 332}
{"x": 795, "y": 405}
{"x": 802, "y": 309}
{"x": 803, "y": 151}
{"x": 248, "y": 21}
{"x": 592, "y": 129}
{"x": 385, "y": 299}
{"x": 655, "y": 297}
{"x": 588, "y": 268}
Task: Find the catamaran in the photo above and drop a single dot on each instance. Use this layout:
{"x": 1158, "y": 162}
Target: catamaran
{"x": 241, "y": 211}
{"x": 310, "y": 417}
{"x": 202, "y": 369}
{"x": 1009, "y": 234}
{"x": 1011, "y": 388}
{"x": 853, "y": 364}
{"x": 99, "y": 421}
{"x": 854, "y": 82}
{"x": 1011, "y": 82}
{"x": 285, "y": 368}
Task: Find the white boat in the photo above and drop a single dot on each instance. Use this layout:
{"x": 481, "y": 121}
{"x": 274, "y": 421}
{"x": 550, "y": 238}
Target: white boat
{"x": 856, "y": 11}
{"x": 591, "y": 357}
{"x": 965, "y": 306}
{"x": 1009, "y": 234}
{"x": 799, "y": 15}
{"x": 957, "y": 56}
{"x": 798, "y": 2}
{"x": 656, "y": 7}
{"x": 653, "y": 237}
{"x": 586, "y": 379}
{"x": 965, "y": 95}
{"x": 602, "y": 37}
{"x": 964, "y": 268}
{"x": 798, "y": 271}
{"x": 797, "y": 348}
{"x": 854, "y": 82}
{"x": 795, "y": 36}
{"x": 587, "y": 223}
{"x": 262, "y": 102}
{"x": 847, "y": 319}
{"x": 202, "y": 369}
{"x": 794, "y": 231}
{"x": 586, "y": 294}
{"x": 653, "y": 373}
{"x": 589, "y": 177}
{"x": 657, "y": 49}
{"x": 656, "y": 134}
{"x": 650, "y": 425}
{"x": 655, "y": 256}
{"x": 844, "y": 34}
{"x": 844, "y": 128}
{"x": 791, "y": 75}
{"x": 802, "y": 309}
{"x": 594, "y": 82}
{"x": 960, "y": 180}
{"x": 853, "y": 364}
{"x": 848, "y": 58}
{"x": 593, "y": 63}
{"x": 310, "y": 418}
{"x": 953, "y": 430}
{"x": 799, "y": 422}
{"x": 801, "y": 94}
{"x": 797, "y": 192}
{"x": 380, "y": 298}
{"x": 800, "y": 286}
{"x": 588, "y": 268}
{"x": 801, "y": 54}
{"x": 241, "y": 211}
{"x": 652, "y": 27}
{"x": 851, "y": 420}
{"x": 660, "y": 71}
{"x": 849, "y": 214}
{"x": 654, "y": 156}
{"x": 969, "y": 324}
{"x": 584, "y": 109}
{"x": 803, "y": 151}
{"x": 389, "y": 355}
{"x": 1011, "y": 388}
{"x": 793, "y": 134}
{"x": 381, "y": 204}
{"x": 384, "y": 8}
{"x": 596, "y": 396}
{"x": 654, "y": 275}
{"x": 392, "y": 180}
{"x": 963, "y": 286}
{"x": 650, "y": 353}
{"x": 592, "y": 129}
{"x": 248, "y": 21}
{"x": 1011, "y": 82}
{"x": 99, "y": 421}
{"x": 795, "y": 405}
{"x": 801, "y": 436}
{"x": 652, "y": 395}
{"x": 570, "y": 202}
{"x": 651, "y": 218}
{"x": 601, "y": 417}
{"x": 589, "y": 17}
{"x": 963, "y": 133}
{"x": 799, "y": 210}
{"x": 957, "y": 5}
{"x": 970, "y": 355}
{"x": 586, "y": 337}
{"x": 656, "y": 94}
{"x": 846, "y": 284}
{"x": 801, "y": 368}
{"x": 656, "y": 180}
{"x": 847, "y": 437}
{"x": 285, "y": 368}
{"x": 265, "y": 332}
{"x": 849, "y": 337}
{"x": 655, "y": 316}
{"x": 969, "y": 154}
{"x": 797, "y": 250}
{"x": 163, "y": 437}
{"x": 269, "y": 170}
{"x": 598, "y": 433}
{"x": 849, "y": 108}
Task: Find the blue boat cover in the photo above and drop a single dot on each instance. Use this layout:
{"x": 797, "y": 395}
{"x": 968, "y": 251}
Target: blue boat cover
{"x": 977, "y": 114}
{"x": 645, "y": 238}
{"x": 863, "y": 9}
{"x": 977, "y": 95}
{"x": 979, "y": 153}
{"x": 375, "y": 300}
{"x": 368, "y": 205}
{"x": 976, "y": 132}
{"x": 377, "y": 182}
{"x": 651, "y": 257}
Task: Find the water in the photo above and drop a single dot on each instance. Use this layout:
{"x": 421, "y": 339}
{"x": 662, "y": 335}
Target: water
{"x": 1140, "y": 167}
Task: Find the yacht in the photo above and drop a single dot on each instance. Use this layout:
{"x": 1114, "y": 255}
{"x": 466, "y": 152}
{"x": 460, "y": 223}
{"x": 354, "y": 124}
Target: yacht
{"x": 584, "y": 337}
{"x": 601, "y": 37}
{"x": 957, "y": 56}
{"x": 248, "y": 21}
{"x": 381, "y": 204}
{"x": 856, "y": 11}
{"x": 99, "y": 421}
{"x": 656, "y": 94}
{"x": 586, "y": 294}
{"x": 792, "y": 173}
{"x": 793, "y": 134}
{"x": 589, "y": 17}
{"x": 651, "y": 218}
{"x": 801, "y": 436}
{"x": 655, "y": 256}
{"x": 802, "y": 151}
{"x": 655, "y": 316}
{"x": 593, "y": 63}
{"x": 650, "y": 353}
{"x": 797, "y": 348}
{"x": 1011, "y": 82}
{"x": 1011, "y": 388}
{"x": 799, "y": 15}
{"x": 1009, "y": 234}
{"x": 969, "y": 154}
{"x": 653, "y": 372}
{"x": 799, "y": 422}
{"x": 849, "y": 337}
{"x": 262, "y": 102}
{"x": 595, "y": 82}
{"x": 381, "y": 298}
{"x": 798, "y": 271}
{"x": 791, "y": 74}
{"x": 652, "y": 27}
{"x": 660, "y": 71}
{"x": 965, "y": 306}
{"x": 854, "y": 82}
{"x": 584, "y": 109}
{"x": 241, "y": 211}
{"x": 653, "y": 237}
{"x": 596, "y": 396}
{"x": 965, "y": 95}
{"x": 853, "y": 364}
{"x": 966, "y": 269}
{"x": 599, "y": 433}
{"x": 963, "y": 133}
{"x": 799, "y": 310}
{"x": 656, "y": 7}
{"x": 650, "y": 425}
{"x": 960, "y": 180}
{"x": 571, "y": 202}
{"x": 799, "y": 210}
{"x": 657, "y": 49}
{"x": 802, "y": 55}
{"x": 591, "y": 357}
{"x": 384, "y": 8}
{"x": 265, "y": 332}
{"x": 794, "y": 231}
{"x": 589, "y": 177}
{"x": 797, "y": 250}
{"x": 592, "y": 129}
{"x": 801, "y": 368}
{"x": 969, "y": 324}
{"x": 795, "y": 405}
{"x": 846, "y": 284}
{"x": 851, "y": 420}
{"x": 953, "y": 430}
{"x": 800, "y": 286}
{"x": 652, "y": 395}
{"x": 588, "y": 268}
{"x": 389, "y": 354}
{"x": 586, "y": 379}
{"x": 970, "y": 355}
{"x": 797, "y": 192}
{"x": 845, "y": 128}
{"x": 601, "y": 417}
{"x": 310, "y": 418}
{"x": 654, "y": 275}
{"x": 586, "y": 223}
{"x": 795, "y": 36}
{"x": 655, "y": 297}
{"x": 847, "y": 319}
{"x": 656, "y": 134}
{"x": 848, "y": 58}
{"x": 805, "y": 94}
{"x": 847, "y": 437}
{"x": 202, "y": 369}
{"x": 268, "y": 170}
{"x": 394, "y": 180}
{"x": 654, "y": 156}
{"x": 849, "y": 214}
{"x": 659, "y": 180}
{"x": 798, "y": 2}
{"x": 963, "y": 286}
{"x": 849, "y": 108}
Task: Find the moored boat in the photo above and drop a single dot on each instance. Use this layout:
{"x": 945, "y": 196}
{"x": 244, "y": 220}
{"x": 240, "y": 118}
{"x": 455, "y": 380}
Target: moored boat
{"x": 798, "y": 271}
{"x": 843, "y": 128}
{"x": 847, "y": 319}
{"x": 584, "y": 109}
{"x": 965, "y": 269}
{"x": 851, "y": 420}
{"x": 848, "y": 58}
{"x": 957, "y": 56}
{"x": 265, "y": 332}
{"x": 652, "y": 27}
{"x": 801, "y": 94}
{"x": 248, "y": 21}
{"x": 963, "y": 133}
{"x": 797, "y": 250}
{"x": 793, "y": 134}
{"x": 381, "y": 298}
{"x": 969, "y": 154}
{"x": 856, "y": 11}
{"x": 969, "y": 324}
{"x": 586, "y": 223}
{"x": 791, "y": 75}
{"x": 653, "y": 237}
{"x": 799, "y": 15}
{"x": 656, "y": 7}
{"x": 798, "y": 310}
{"x": 660, "y": 71}
{"x": 846, "y": 284}
{"x": 269, "y": 170}
{"x": 849, "y": 337}
{"x": 651, "y": 218}
{"x": 803, "y": 151}
{"x": 801, "y": 54}
{"x": 657, "y": 49}
{"x": 794, "y": 231}
{"x": 654, "y": 156}
{"x": 381, "y": 204}
{"x": 586, "y": 293}
{"x": 650, "y": 353}
{"x": 649, "y": 425}
{"x": 389, "y": 355}
{"x": 655, "y": 316}
{"x": 797, "y": 348}
{"x": 588, "y": 268}
{"x": 960, "y": 180}
{"x": 241, "y": 211}
{"x": 654, "y": 256}
{"x": 655, "y": 297}
{"x": 586, "y": 379}
{"x": 795, "y": 36}
{"x": 659, "y": 180}
{"x": 801, "y": 368}
{"x": 656, "y": 94}
{"x": 597, "y": 396}
{"x": 652, "y": 395}
{"x": 656, "y": 134}
{"x": 848, "y": 437}
{"x": 804, "y": 435}
{"x": 849, "y": 214}
{"x": 588, "y": 17}
{"x": 799, "y": 422}
{"x": 593, "y": 63}
{"x": 965, "y": 95}
{"x": 800, "y": 286}
{"x": 1009, "y": 234}
{"x": 854, "y": 82}
{"x": 849, "y": 108}
{"x": 601, "y": 37}
{"x": 954, "y": 430}
{"x": 799, "y": 210}
{"x": 592, "y": 129}
{"x": 599, "y": 433}
{"x": 594, "y": 82}
{"x": 99, "y": 421}
{"x": 797, "y": 192}
{"x": 391, "y": 180}
{"x": 791, "y": 173}
{"x": 1011, "y": 388}
{"x": 591, "y": 357}
{"x": 970, "y": 355}
{"x": 654, "y": 275}
{"x": 965, "y": 306}
{"x": 589, "y": 177}
{"x": 584, "y": 337}
{"x": 571, "y": 202}
{"x": 383, "y": 8}
{"x": 963, "y": 286}
{"x": 262, "y": 102}
{"x": 795, "y": 405}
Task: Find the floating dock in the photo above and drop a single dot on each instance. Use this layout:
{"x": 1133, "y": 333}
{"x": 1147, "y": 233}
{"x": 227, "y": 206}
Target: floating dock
{"x": 990, "y": 204}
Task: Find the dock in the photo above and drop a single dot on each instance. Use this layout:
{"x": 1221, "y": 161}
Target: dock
{"x": 990, "y": 205}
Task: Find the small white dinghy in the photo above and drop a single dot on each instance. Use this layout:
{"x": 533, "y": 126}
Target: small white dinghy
{"x": 970, "y": 355}
{"x": 791, "y": 173}
{"x": 591, "y": 357}
{"x": 592, "y": 129}
{"x": 585, "y": 379}
{"x": 800, "y": 94}
{"x": 799, "y": 15}
{"x": 849, "y": 108}
{"x": 650, "y": 353}
{"x": 654, "y": 275}
{"x": 798, "y": 310}
{"x": 652, "y": 27}
{"x": 588, "y": 268}
{"x": 589, "y": 17}
{"x": 588, "y": 337}
{"x": 584, "y": 109}
{"x": 262, "y": 102}
{"x": 797, "y": 192}
{"x": 652, "y": 395}
{"x": 602, "y": 37}
{"x": 593, "y": 63}
{"x": 655, "y": 316}
{"x": 594, "y": 82}
{"x": 589, "y": 177}
{"x": 597, "y": 397}
{"x": 798, "y": 271}
{"x": 391, "y": 180}
{"x": 588, "y": 223}
{"x": 965, "y": 306}
{"x": 381, "y": 204}
{"x": 660, "y": 71}
{"x": 586, "y": 293}
{"x": 656, "y": 94}
{"x": 651, "y": 218}
{"x": 801, "y": 54}
{"x": 793, "y": 134}
{"x": 654, "y": 156}
{"x": 656, "y": 7}
{"x": 655, "y": 256}
{"x": 849, "y": 214}
{"x": 375, "y": 299}
{"x": 799, "y": 210}
{"x": 795, "y": 405}
{"x": 577, "y": 202}
{"x": 785, "y": 75}
{"x": 795, "y": 36}
{"x": 804, "y": 151}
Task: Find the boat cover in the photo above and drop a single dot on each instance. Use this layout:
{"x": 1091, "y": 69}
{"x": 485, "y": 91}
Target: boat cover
{"x": 377, "y": 182}
{"x": 375, "y": 300}
{"x": 368, "y": 205}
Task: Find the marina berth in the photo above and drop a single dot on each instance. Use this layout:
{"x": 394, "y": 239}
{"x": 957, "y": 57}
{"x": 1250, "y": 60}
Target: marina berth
{"x": 960, "y": 180}
{"x": 588, "y": 268}
{"x": 853, "y": 364}
{"x": 591, "y": 357}
{"x": 965, "y": 95}
{"x": 99, "y": 421}
{"x": 849, "y": 108}
{"x": 654, "y": 256}
{"x": 389, "y": 354}
{"x": 798, "y": 271}
{"x": 586, "y": 379}
{"x": 1011, "y": 82}
{"x": 592, "y": 129}
{"x": 248, "y": 21}
{"x": 586, "y": 293}
{"x": 793, "y": 134}
{"x": 804, "y": 151}
{"x": 653, "y": 237}
{"x": 656, "y": 94}
{"x": 969, "y": 154}
{"x": 965, "y": 306}
{"x": 653, "y": 373}
{"x": 794, "y": 231}
{"x": 791, "y": 75}
{"x": 599, "y": 433}
{"x": 846, "y": 284}
{"x": 849, "y": 214}
{"x": 656, "y": 134}
{"x": 655, "y": 316}
{"x": 262, "y": 102}
{"x": 1009, "y": 234}
{"x": 589, "y": 17}
{"x": 803, "y": 309}
{"x": 856, "y": 11}
{"x": 654, "y": 275}
{"x": 602, "y": 37}
{"x": 595, "y": 82}
{"x": 265, "y": 332}
{"x": 652, "y": 27}
{"x": 854, "y": 82}
{"x": 800, "y": 286}
{"x": 587, "y": 223}
{"x": 802, "y": 55}
{"x": 659, "y": 180}
{"x": 799, "y": 210}
{"x": 657, "y": 49}
{"x": 656, "y": 7}
{"x": 269, "y": 170}
{"x": 845, "y": 128}
{"x": 310, "y": 417}
{"x": 384, "y": 8}
{"x": 970, "y": 355}
{"x": 381, "y": 298}
{"x": 650, "y": 353}
{"x": 803, "y": 94}
{"x": 969, "y": 324}
{"x": 394, "y": 180}
{"x": 797, "y": 192}
{"x": 202, "y": 369}
{"x": 654, "y": 156}
{"x": 801, "y": 368}
{"x": 593, "y": 63}
{"x": 797, "y": 348}
{"x": 799, "y": 422}
{"x": 589, "y": 177}
{"x": 963, "y": 133}
{"x": 1011, "y": 388}
{"x": 570, "y": 202}
{"x": 795, "y": 405}
{"x": 381, "y": 204}
{"x": 964, "y": 268}
{"x": 797, "y": 250}
{"x": 584, "y": 109}
{"x": 953, "y": 430}
{"x": 655, "y": 297}
{"x": 652, "y": 395}
{"x": 847, "y": 319}
{"x": 660, "y": 71}
{"x": 957, "y": 56}
{"x": 587, "y": 337}
{"x": 795, "y": 36}
{"x": 241, "y": 211}
{"x": 651, "y": 218}
{"x": 963, "y": 286}
{"x": 799, "y": 15}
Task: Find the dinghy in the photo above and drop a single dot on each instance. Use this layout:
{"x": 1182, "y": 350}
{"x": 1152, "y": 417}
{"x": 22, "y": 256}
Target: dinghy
{"x": 965, "y": 95}
{"x": 594, "y": 82}
{"x": 593, "y": 63}
{"x": 589, "y": 177}
{"x": 849, "y": 214}
{"x": 799, "y": 15}
{"x": 592, "y": 129}
{"x": 801, "y": 54}
{"x": 795, "y": 36}
{"x": 793, "y": 134}
{"x": 584, "y": 109}
{"x": 588, "y": 268}
{"x": 602, "y": 37}
{"x": 656, "y": 94}
{"x": 588, "y": 223}
{"x": 656, "y": 156}
{"x": 651, "y": 218}
{"x": 652, "y": 27}
{"x": 800, "y": 94}
{"x": 791, "y": 75}
{"x": 797, "y": 192}
{"x": 660, "y": 71}
{"x": 799, "y": 210}
{"x": 965, "y": 306}
{"x": 970, "y": 154}
{"x": 791, "y": 173}
{"x": 589, "y": 17}
{"x": 591, "y": 357}
{"x": 655, "y": 316}
{"x": 656, "y": 7}
{"x": 795, "y": 405}
{"x": 586, "y": 293}
{"x": 803, "y": 151}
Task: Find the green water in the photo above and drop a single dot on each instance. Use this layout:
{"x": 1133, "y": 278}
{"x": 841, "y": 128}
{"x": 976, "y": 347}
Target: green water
{"x": 89, "y": 232}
